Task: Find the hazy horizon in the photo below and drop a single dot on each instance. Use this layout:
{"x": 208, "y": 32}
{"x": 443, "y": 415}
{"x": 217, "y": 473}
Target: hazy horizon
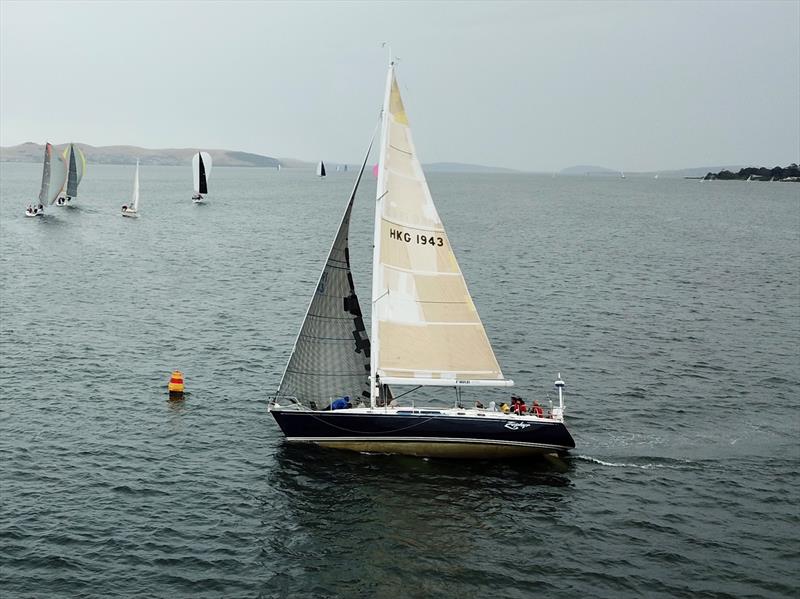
{"x": 529, "y": 86}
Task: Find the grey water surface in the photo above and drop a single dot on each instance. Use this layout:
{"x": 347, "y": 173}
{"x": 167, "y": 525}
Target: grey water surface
{"x": 670, "y": 307}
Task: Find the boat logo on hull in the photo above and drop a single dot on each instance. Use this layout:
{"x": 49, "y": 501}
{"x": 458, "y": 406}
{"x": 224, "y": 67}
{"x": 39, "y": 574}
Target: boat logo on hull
{"x": 515, "y": 426}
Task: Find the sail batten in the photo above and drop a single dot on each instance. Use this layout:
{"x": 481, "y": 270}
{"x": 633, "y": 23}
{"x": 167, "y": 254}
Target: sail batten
{"x": 425, "y": 325}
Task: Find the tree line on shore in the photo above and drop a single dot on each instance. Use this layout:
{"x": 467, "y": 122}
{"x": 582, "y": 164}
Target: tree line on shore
{"x": 778, "y": 173}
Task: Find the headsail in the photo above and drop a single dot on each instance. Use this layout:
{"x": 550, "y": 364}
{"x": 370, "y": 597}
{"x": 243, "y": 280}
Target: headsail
{"x": 330, "y": 357}
{"x": 58, "y": 178}
{"x": 135, "y": 199}
{"x": 425, "y": 328}
{"x": 201, "y": 170}
{"x": 44, "y": 191}
{"x": 76, "y": 167}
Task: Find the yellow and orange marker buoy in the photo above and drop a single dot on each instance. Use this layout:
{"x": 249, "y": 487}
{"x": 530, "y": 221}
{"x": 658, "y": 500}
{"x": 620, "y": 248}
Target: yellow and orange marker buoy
{"x": 176, "y": 385}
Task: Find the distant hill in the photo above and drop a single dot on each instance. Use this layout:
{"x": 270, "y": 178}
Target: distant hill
{"x": 32, "y": 152}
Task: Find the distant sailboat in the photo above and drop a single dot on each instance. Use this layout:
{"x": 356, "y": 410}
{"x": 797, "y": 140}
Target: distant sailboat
{"x": 201, "y": 170}
{"x": 53, "y": 173}
{"x": 76, "y": 168}
{"x": 425, "y": 332}
{"x": 321, "y": 169}
{"x": 656, "y": 177}
{"x": 132, "y": 210}
{"x": 279, "y": 167}
{"x": 622, "y": 174}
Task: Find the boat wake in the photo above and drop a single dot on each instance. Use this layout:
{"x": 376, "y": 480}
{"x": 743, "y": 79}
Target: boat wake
{"x": 670, "y": 464}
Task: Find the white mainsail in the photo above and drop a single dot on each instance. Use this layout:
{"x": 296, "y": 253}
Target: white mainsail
{"x": 135, "y": 198}
{"x": 201, "y": 170}
{"x": 58, "y": 178}
{"x": 425, "y": 328}
{"x": 44, "y": 190}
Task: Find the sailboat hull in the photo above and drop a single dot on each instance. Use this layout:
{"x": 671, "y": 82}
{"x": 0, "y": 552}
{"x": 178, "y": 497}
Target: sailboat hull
{"x": 426, "y": 433}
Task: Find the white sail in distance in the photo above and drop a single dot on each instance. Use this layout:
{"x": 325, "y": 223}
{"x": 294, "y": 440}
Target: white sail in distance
{"x": 58, "y": 178}
{"x": 201, "y": 170}
{"x": 425, "y": 328}
{"x": 135, "y": 198}
{"x": 75, "y": 163}
{"x": 44, "y": 190}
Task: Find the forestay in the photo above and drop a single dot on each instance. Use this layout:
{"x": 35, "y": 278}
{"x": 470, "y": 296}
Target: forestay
{"x": 330, "y": 358}
{"x": 425, "y": 328}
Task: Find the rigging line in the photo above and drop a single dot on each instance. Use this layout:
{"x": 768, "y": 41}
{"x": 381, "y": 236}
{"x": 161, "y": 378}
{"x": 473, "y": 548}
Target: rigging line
{"x": 407, "y": 392}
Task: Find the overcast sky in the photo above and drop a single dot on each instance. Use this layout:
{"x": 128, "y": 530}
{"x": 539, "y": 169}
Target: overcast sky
{"x": 535, "y": 86}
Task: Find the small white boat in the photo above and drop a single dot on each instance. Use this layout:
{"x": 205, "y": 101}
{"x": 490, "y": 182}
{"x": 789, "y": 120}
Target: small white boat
{"x": 37, "y": 210}
{"x": 76, "y": 168}
{"x": 201, "y": 170}
{"x": 132, "y": 210}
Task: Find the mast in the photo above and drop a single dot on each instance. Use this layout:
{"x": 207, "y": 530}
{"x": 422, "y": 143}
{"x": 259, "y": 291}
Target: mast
{"x": 376, "y": 242}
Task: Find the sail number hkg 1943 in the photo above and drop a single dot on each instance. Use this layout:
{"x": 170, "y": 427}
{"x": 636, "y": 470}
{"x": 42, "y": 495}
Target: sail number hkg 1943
{"x": 416, "y": 238}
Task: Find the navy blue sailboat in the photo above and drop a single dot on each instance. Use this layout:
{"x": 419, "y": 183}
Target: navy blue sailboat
{"x": 337, "y": 389}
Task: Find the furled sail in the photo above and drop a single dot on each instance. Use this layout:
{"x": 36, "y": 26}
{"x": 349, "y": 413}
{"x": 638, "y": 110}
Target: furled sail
{"x": 201, "y": 170}
{"x": 76, "y": 167}
{"x": 330, "y": 358}
{"x": 44, "y": 191}
{"x": 425, "y": 328}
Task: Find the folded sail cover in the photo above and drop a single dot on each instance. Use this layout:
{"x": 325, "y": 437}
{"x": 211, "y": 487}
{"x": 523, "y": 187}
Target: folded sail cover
{"x": 427, "y": 326}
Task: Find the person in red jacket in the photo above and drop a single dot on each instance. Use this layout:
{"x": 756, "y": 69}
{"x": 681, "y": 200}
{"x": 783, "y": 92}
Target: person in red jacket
{"x": 536, "y": 409}
{"x": 518, "y": 405}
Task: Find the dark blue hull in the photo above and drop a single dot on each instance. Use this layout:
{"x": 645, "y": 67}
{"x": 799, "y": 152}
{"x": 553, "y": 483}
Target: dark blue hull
{"x": 429, "y": 434}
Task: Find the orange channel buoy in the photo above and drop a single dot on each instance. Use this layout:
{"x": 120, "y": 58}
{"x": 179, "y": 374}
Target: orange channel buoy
{"x": 176, "y": 385}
